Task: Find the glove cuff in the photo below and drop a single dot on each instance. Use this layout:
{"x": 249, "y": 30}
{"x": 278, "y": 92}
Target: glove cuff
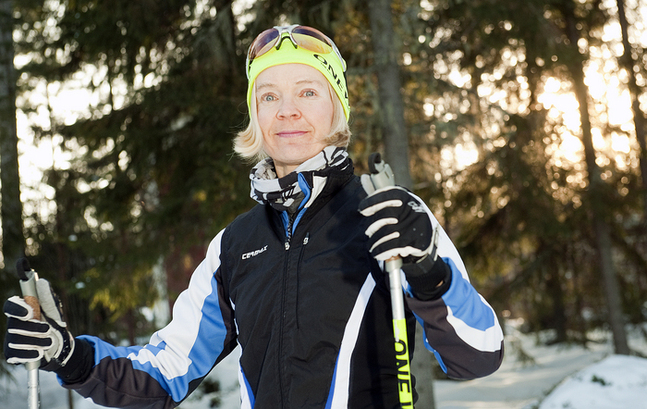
{"x": 79, "y": 365}
{"x": 60, "y": 357}
{"x": 428, "y": 279}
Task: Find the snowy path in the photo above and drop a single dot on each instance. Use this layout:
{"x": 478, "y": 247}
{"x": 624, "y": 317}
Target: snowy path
{"x": 515, "y": 385}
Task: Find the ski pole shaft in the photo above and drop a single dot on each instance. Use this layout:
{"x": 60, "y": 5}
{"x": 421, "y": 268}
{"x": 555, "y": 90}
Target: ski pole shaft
{"x": 382, "y": 176}
{"x": 28, "y": 278}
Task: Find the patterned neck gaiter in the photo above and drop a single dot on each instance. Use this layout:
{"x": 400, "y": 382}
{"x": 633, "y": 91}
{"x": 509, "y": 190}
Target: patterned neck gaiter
{"x": 287, "y": 193}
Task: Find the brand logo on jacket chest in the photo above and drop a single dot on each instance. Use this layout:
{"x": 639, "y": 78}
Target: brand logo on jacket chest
{"x": 254, "y": 253}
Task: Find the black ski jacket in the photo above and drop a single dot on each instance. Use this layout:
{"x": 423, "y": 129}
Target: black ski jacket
{"x": 311, "y": 312}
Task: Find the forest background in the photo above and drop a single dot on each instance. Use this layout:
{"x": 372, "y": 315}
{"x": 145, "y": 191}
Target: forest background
{"x": 521, "y": 124}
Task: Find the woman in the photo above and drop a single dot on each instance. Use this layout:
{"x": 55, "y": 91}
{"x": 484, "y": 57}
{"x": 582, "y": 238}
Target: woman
{"x": 297, "y": 281}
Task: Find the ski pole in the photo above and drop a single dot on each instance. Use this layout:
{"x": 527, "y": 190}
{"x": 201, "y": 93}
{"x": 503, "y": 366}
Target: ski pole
{"x": 28, "y": 278}
{"x": 382, "y": 176}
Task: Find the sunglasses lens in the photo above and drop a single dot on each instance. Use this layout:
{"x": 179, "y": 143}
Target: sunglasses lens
{"x": 311, "y": 39}
{"x": 263, "y": 43}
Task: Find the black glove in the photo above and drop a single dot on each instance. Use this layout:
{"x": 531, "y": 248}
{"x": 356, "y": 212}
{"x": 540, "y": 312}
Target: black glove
{"x": 30, "y": 340}
{"x": 399, "y": 225}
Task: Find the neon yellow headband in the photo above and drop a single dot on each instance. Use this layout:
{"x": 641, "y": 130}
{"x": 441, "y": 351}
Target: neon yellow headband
{"x": 329, "y": 64}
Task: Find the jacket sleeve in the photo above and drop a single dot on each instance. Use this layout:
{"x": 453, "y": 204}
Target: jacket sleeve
{"x": 460, "y": 327}
{"x": 164, "y": 372}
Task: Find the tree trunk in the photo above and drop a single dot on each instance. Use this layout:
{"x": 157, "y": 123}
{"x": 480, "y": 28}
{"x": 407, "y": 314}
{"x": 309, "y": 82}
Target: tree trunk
{"x": 556, "y": 294}
{"x": 628, "y": 63}
{"x": 70, "y": 399}
{"x": 595, "y": 197}
{"x": 385, "y": 51}
{"x": 13, "y": 246}
{"x": 422, "y": 367}
{"x": 396, "y": 148}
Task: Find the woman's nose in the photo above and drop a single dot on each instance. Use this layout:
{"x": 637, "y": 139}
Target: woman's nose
{"x": 288, "y": 109}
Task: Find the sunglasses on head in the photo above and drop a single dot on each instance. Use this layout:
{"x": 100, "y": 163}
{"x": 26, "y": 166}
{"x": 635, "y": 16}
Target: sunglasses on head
{"x": 305, "y": 37}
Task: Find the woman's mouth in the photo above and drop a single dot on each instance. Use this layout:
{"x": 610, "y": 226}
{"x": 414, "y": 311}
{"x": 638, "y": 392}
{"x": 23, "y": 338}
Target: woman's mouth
{"x": 289, "y": 134}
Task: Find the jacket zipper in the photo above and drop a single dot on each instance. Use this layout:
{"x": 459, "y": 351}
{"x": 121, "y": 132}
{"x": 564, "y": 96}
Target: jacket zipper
{"x": 298, "y": 267}
{"x": 288, "y": 232}
{"x": 281, "y": 363}
{"x": 289, "y": 226}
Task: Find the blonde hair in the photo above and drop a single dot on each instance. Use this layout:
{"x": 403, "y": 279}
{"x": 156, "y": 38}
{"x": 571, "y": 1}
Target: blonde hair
{"x": 248, "y": 143}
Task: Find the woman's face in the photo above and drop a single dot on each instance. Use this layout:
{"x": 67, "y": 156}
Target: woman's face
{"x": 295, "y": 112}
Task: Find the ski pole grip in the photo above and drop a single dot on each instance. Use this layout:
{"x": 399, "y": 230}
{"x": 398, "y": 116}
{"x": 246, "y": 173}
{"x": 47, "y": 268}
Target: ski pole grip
{"x": 381, "y": 173}
{"x": 382, "y": 176}
{"x": 374, "y": 159}
{"x": 28, "y": 279}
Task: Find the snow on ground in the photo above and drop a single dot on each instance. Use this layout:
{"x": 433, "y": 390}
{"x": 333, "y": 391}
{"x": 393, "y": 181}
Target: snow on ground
{"x": 531, "y": 370}
{"x": 618, "y": 381}
{"x": 532, "y": 376}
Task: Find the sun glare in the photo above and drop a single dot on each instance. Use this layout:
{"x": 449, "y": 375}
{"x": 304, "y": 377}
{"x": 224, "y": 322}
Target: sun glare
{"x": 610, "y": 104}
